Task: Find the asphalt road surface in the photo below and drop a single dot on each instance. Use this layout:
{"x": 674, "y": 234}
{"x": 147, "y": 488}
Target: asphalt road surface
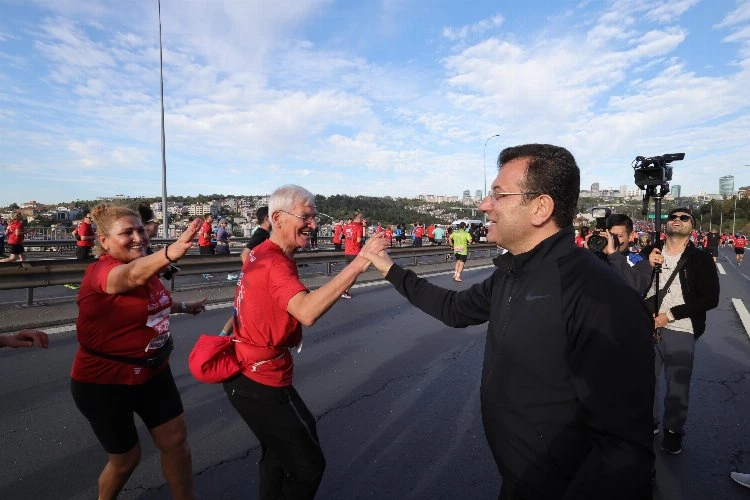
{"x": 396, "y": 397}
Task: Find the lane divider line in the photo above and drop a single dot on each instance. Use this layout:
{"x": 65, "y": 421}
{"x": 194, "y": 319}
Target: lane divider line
{"x": 720, "y": 268}
{"x": 743, "y": 314}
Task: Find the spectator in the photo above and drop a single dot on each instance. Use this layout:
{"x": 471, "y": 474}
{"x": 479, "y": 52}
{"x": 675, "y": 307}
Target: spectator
{"x": 25, "y": 338}
{"x": 205, "y": 245}
{"x": 399, "y": 234}
{"x": 631, "y": 266}
{"x": 261, "y": 233}
{"x": 15, "y": 233}
{"x": 122, "y": 365}
{"x": 680, "y": 318}
{"x": 439, "y": 234}
{"x": 150, "y": 222}
{"x": 222, "y": 238}
{"x": 84, "y": 234}
{"x": 271, "y": 305}
{"x": 567, "y": 382}
{"x": 713, "y": 239}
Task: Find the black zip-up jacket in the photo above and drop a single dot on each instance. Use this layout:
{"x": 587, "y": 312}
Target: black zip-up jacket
{"x": 700, "y": 287}
{"x": 568, "y": 377}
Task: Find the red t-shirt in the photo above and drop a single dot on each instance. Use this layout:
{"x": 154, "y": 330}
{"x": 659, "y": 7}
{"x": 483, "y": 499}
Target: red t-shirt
{"x": 352, "y": 232}
{"x": 378, "y": 229}
{"x": 262, "y": 323}
{"x": 389, "y": 234}
{"x": 418, "y": 231}
{"x": 13, "y": 238}
{"x": 131, "y": 324}
{"x": 204, "y": 241}
{"x": 740, "y": 242}
{"x": 430, "y": 231}
{"x": 338, "y": 230}
{"x": 84, "y": 229}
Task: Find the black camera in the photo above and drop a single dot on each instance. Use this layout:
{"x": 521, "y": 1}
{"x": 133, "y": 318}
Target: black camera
{"x": 596, "y": 241}
{"x": 654, "y": 171}
{"x": 170, "y": 272}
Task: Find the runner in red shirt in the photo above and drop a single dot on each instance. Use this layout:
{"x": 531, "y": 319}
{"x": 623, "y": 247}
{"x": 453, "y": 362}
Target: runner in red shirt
{"x": 338, "y": 231}
{"x": 739, "y": 247}
{"x": 271, "y": 305}
{"x": 389, "y": 235}
{"x": 417, "y": 235}
{"x": 205, "y": 247}
{"x": 353, "y": 238}
{"x": 121, "y": 367}
{"x": 431, "y": 234}
{"x": 15, "y": 233}
{"x": 84, "y": 238}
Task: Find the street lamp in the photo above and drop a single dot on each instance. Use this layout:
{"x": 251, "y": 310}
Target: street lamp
{"x": 734, "y": 215}
{"x": 165, "y": 212}
{"x": 484, "y": 164}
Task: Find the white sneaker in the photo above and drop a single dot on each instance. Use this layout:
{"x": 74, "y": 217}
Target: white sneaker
{"x": 740, "y": 478}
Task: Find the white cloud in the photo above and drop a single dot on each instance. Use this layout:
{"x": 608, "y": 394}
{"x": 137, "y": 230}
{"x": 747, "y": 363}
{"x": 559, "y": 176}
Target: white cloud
{"x": 473, "y": 30}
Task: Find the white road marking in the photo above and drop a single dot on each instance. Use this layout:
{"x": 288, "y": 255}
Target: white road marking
{"x": 744, "y": 315}
{"x": 720, "y": 268}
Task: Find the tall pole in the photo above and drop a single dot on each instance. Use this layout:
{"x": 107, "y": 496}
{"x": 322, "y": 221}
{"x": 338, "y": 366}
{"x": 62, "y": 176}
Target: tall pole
{"x": 164, "y": 211}
{"x": 712, "y": 215}
{"x": 734, "y": 215}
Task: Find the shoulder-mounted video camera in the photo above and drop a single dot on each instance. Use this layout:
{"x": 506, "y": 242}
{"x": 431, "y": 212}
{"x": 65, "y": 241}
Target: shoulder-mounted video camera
{"x": 655, "y": 170}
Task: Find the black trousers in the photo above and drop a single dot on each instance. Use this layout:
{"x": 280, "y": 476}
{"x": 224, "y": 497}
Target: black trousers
{"x": 292, "y": 462}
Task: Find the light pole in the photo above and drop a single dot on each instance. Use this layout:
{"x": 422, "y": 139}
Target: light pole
{"x": 710, "y": 221}
{"x": 484, "y": 164}
{"x": 165, "y": 212}
{"x": 734, "y": 215}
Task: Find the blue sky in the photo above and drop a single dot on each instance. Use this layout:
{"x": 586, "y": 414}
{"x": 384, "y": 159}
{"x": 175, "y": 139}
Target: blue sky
{"x": 389, "y": 97}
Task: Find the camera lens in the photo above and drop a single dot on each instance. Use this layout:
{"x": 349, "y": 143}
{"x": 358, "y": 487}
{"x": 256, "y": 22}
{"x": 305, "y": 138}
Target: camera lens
{"x": 597, "y": 243}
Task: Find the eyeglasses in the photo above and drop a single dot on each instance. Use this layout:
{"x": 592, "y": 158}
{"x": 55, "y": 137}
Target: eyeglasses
{"x": 499, "y": 194}
{"x": 683, "y": 217}
{"x": 304, "y": 218}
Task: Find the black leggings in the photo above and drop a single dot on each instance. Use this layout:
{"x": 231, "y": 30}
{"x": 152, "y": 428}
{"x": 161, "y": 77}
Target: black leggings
{"x": 292, "y": 462}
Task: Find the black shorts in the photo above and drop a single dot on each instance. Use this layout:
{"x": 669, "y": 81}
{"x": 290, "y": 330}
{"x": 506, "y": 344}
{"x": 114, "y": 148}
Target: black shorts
{"x": 83, "y": 253}
{"x": 109, "y": 408}
{"x": 206, "y": 250}
{"x": 16, "y": 249}
{"x": 350, "y": 258}
{"x": 460, "y": 257}
{"x": 739, "y": 251}
{"x": 337, "y": 246}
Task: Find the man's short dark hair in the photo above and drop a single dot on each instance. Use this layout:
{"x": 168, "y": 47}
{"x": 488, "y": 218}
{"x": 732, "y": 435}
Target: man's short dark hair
{"x": 144, "y": 210}
{"x": 620, "y": 220}
{"x": 261, "y": 214}
{"x": 551, "y": 170}
{"x": 683, "y": 210}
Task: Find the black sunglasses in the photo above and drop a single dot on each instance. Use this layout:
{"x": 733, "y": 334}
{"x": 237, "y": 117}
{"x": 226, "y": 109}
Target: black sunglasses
{"x": 683, "y": 217}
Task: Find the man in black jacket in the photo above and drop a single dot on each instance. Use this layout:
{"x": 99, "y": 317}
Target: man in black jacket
{"x": 681, "y": 319}
{"x": 567, "y": 381}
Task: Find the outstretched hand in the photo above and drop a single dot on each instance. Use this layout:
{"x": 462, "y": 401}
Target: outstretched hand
{"x": 375, "y": 251}
{"x": 25, "y": 338}
{"x": 196, "y": 307}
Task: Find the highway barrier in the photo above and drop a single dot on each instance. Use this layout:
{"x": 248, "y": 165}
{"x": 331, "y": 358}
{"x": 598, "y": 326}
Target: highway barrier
{"x": 42, "y": 273}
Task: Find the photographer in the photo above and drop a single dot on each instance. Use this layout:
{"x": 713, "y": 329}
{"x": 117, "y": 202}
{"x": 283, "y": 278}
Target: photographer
{"x": 634, "y": 269}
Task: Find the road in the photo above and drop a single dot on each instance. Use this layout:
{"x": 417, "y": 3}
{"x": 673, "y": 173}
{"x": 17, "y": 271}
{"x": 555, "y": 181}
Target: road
{"x": 396, "y": 397}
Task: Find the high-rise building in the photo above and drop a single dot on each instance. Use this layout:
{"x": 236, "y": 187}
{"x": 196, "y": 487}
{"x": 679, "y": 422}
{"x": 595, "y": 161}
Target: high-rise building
{"x": 466, "y": 200}
{"x": 726, "y": 185}
{"x": 676, "y": 191}
{"x": 595, "y": 189}
{"x": 624, "y": 191}
{"x": 478, "y": 195}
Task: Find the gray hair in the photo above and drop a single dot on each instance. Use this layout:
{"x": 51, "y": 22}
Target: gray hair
{"x": 287, "y": 197}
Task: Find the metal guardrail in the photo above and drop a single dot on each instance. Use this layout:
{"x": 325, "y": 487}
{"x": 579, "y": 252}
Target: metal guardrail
{"x": 42, "y": 273}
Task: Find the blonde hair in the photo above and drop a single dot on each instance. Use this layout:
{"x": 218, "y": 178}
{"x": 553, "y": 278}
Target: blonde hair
{"x": 105, "y": 215}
